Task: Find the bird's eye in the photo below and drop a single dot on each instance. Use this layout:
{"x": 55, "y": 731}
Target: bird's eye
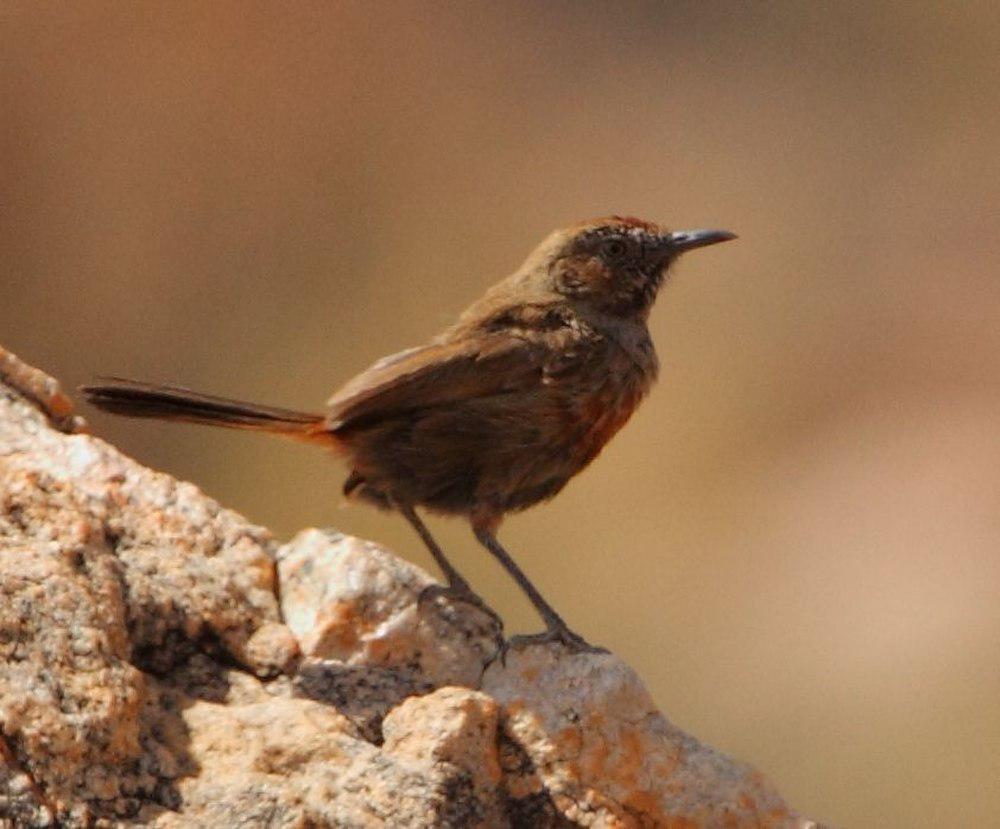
{"x": 614, "y": 248}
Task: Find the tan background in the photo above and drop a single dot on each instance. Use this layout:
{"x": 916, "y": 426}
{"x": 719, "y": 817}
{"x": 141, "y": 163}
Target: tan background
{"x": 796, "y": 539}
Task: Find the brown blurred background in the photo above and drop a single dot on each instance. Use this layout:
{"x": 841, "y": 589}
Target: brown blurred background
{"x": 796, "y": 539}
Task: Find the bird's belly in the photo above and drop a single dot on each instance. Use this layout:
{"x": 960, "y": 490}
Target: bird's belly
{"x": 496, "y": 454}
{"x": 572, "y": 433}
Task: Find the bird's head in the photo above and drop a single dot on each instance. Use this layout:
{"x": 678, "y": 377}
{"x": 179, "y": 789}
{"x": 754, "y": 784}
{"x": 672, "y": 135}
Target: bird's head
{"x": 615, "y": 264}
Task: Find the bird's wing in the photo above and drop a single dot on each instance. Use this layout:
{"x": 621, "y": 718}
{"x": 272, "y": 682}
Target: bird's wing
{"x": 437, "y": 374}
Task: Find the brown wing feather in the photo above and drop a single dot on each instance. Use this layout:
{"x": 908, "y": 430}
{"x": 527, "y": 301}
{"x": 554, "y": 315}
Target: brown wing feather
{"x": 436, "y": 374}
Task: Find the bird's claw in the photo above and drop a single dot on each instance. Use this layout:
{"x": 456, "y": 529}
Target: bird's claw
{"x": 572, "y": 642}
{"x": 458, "y": 593}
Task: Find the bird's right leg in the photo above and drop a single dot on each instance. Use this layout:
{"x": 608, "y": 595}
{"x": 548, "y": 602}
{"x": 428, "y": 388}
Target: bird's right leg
{"x": 457, "y": 588}
{"x": 556, "y": 630}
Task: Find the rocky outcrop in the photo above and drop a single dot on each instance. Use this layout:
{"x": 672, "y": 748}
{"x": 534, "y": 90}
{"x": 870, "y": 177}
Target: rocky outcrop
{"x": 164, "y": 662}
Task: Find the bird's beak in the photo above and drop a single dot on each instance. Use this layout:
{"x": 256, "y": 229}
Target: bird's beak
{"x": 682, "y": 240}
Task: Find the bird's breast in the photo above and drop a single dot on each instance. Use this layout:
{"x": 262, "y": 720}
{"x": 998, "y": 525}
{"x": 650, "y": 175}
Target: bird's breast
{"x": 606, "y": 401}
{"x": 605, "y": 412}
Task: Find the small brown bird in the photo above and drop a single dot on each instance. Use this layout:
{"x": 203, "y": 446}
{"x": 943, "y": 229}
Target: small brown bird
{"x": 499, "y": 411}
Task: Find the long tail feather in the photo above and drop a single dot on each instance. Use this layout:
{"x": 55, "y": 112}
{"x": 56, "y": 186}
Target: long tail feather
{"x": 136, "y": 399}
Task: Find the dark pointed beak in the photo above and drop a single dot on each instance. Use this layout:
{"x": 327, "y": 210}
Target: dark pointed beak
{"x": 682, "y": 240}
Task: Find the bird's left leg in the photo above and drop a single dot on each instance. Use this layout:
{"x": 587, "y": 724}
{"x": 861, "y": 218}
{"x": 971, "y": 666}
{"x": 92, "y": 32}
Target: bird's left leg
{"x": 457, "y": 587}
{"x": 556, "y": 629}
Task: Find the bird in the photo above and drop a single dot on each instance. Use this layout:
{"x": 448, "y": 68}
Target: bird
{"x": 495, "y": 414}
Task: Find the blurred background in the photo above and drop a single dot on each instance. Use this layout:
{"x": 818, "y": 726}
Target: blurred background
{"x": 795, "y": 541}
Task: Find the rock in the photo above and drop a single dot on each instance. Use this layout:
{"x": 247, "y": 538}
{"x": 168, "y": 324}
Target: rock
{"x": 21, "y": 802}
{"x": 368, "y": 641}
{"x": 42, "y": 391}
{"x": 149, "y": 678}
{"x": 191, "y": 570}
{"x": 453, "y": 730}
{"x": 294, "y": 762}
{"x": 608, "y": 757}
{"x": 69, "y": 698}
{"x": 350, "y": 601}
{"x": 363, "y": 693}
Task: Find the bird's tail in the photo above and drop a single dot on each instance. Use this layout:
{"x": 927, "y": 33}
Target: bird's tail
{"x": 135, "y": 399}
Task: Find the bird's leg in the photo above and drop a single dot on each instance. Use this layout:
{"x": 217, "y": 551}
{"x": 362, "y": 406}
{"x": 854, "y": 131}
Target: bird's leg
{"x": 455, "y": 580}
{"x": 556, "y": 630}
{"x": 457, "y": 588}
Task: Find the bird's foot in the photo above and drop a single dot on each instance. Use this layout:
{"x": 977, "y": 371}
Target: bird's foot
{"x": 458, "y": 592}
{"x": 572, "y": 642}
